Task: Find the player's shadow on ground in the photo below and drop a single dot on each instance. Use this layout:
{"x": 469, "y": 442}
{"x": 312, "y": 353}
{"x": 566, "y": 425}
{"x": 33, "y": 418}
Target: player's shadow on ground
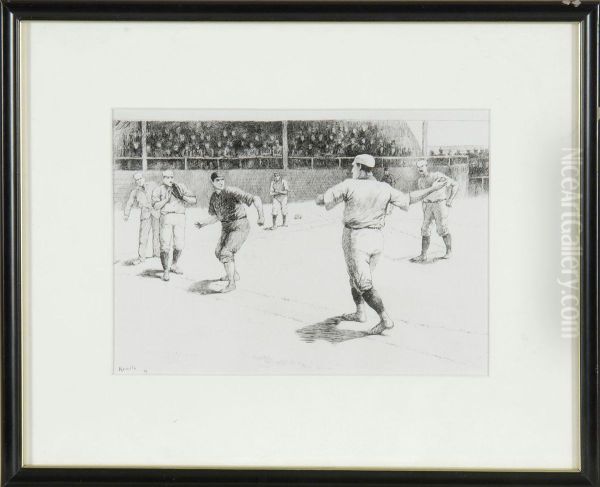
{"x": 329, "y": 331}
{"x": 204, "y": 287}
{"x": 154, "y": 273}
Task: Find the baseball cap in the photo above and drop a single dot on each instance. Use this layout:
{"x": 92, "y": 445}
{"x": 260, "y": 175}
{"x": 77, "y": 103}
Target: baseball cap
{"x": 215, "y": 175}
{"x": 137, "y": 176}
{"x": 168, "y": 173}
{"x": 365, "y": 160}
{"x": 421, "y": 163}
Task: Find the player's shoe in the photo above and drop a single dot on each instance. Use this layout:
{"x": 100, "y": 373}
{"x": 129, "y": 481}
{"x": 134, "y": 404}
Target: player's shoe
{"x": 176, "y": 270}
{"x": 230, "y": 287}
{"x": 419, "y": 258}
{"x": 271, "y": 228}
{"x": 356, "y": 316}
{"x": 380, "y": 327}
{"x": 447, "y": 255}
{"x": 225, "y": 278}
{"x": 137, "y": 261}
{"x": 166, "y": 275}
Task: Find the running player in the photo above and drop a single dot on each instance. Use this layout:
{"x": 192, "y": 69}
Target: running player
{"x": 366, "y": 204}
{"x": 227, "y": 206}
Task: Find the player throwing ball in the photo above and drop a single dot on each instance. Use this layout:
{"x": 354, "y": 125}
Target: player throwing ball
{"x": 227, "y": 206}
{"x": 366, "y": 204}
{"x": 435, "y": 208}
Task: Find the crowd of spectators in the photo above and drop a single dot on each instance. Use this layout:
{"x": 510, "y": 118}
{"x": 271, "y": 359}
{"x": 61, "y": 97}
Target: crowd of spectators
{"x": 213, "y": 139}
{"x": 346, "y": 139}
{"x": 477, "y": 158}
{"x": 470, "y": 153}
{"x": 251, "y": 139}
{"x": 128, "y": 141}
{"x": 259, "y": 144}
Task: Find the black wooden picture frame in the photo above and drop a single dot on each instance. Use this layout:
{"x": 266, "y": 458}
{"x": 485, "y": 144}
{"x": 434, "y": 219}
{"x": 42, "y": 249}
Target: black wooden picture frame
{"x": 14, "y": 12}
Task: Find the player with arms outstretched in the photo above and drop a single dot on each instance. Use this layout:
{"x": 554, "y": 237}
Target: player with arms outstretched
{"x": 435, "y": 208}
{"x": 366, "y": 205}
{"x": 227, "y": 206}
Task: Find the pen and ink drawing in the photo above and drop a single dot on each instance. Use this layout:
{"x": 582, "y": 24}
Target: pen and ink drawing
{"x": 301, "y": 246}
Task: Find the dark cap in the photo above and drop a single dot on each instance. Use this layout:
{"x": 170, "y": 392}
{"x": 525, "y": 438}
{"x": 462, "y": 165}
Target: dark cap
{"x": 215, "y": 175}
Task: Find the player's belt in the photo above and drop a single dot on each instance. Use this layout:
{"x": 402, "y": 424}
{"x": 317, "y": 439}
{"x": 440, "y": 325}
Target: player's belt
{"x": 361, "y": 228}
{"x": 436, "y": 201}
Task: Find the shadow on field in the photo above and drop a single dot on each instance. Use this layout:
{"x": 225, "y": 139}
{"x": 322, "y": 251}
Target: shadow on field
{"x": 204, "y": 287}
{"x": 329, "y": 331}
{"x": 155, "y": 273}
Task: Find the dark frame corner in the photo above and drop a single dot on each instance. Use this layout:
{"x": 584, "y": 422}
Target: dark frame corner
{"x": 12, "y": 12}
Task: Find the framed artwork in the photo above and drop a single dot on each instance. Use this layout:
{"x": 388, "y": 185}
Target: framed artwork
{"x": 310, "y": 243}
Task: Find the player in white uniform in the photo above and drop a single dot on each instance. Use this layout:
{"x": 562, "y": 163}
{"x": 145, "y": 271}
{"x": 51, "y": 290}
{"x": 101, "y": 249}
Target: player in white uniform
{"x": 170, "y": 199}
{"x": 435, "y": 208}
{"x": 141, "y": 197}
{"x": 279, "y": 194}
{"x": 366, "y": 205}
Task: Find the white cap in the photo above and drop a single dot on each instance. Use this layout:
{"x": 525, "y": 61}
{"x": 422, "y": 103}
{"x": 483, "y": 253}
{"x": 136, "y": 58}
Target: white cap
{"x": 137, "y": 176}
{"x": 421, "y": 163}
{"x": 167, "y": 173}
{"x": 365, "y": 159}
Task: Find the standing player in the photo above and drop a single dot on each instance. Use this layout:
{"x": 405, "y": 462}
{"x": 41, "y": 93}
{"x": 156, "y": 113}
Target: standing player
{"x": 366, "y": 204}
{"x": 141, "y": 197}
{"x": 170, "y": 199}
{"x": 227, "y": 206}
{"x": 387, "y": 177}
{"x": 435, "y": 208}
{"x": 279, "y": 194}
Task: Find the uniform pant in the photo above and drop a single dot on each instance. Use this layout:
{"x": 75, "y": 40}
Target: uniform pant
{"x": 362, "y": 249}
{"x": 146, "y": 225}
{"x": 233, "y": 235}
{"x": 172, "y": 231}
{"x": 280, "y": 205}
{"x": 435, "y": 211}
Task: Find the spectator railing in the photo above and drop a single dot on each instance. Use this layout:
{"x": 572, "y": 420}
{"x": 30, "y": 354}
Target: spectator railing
{"x": 329, "y": 161}
{"x": 276, "y": 162}
{"x": 199, "y": 162}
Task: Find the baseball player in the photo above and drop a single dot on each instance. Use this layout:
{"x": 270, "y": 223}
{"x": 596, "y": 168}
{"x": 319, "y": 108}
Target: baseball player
{"x": 387, "y": 177}
{"x": 279, "y": 193}
{"x": 366, "y": 204}
{"x": 227, "y": 206}
{"x": 171, "y": 198}
{"x": 435, "y": 208}
{"x": 141, "y": 197}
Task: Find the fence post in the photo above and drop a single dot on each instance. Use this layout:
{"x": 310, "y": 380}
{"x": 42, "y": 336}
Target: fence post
{"x": 185, "y": 164}
{"x": 144, "y": 148}
{"x": 424, "y": 135}
{"x": 312, "y": 162}
{"x": 284, "y": 144}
